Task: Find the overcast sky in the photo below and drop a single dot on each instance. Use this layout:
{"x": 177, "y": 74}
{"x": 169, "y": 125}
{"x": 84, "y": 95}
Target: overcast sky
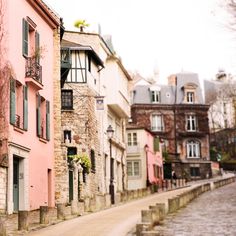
{"x": 162, "y": 35}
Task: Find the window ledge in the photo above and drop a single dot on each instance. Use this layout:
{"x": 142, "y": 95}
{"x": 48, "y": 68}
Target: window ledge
{"x": 19, "y": 130}
{"x": 43, "y": 140}
{"x": 67, "y": 110}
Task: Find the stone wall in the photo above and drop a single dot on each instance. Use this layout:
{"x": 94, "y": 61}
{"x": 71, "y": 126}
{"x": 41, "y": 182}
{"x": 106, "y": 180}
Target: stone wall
{"x": 83, "y": 124}
{"x": 3, "y": 193}
{"x": 61, "y": 179}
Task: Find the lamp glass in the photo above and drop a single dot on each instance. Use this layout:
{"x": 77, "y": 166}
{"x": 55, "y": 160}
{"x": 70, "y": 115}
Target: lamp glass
{"x": 110, "y": 132}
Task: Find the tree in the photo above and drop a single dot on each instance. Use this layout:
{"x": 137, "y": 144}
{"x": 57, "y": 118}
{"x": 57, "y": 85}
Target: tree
{"x": 81, "y": 24}
{"x": 5, "y": 72}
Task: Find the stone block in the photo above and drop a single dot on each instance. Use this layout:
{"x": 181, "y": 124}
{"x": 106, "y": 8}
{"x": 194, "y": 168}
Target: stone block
{"x": 61, "y": 211}
{"x": 162, "y": 210}
{"x": 23, "y": 220}
{"x": 74, "y": 207}
{"x": 141, "y": 227}
{"x": 150, "y": 216}
{"x": 173, "y": 204}
{"x": 3, "y": 231}
{"x": 43, "y": 215}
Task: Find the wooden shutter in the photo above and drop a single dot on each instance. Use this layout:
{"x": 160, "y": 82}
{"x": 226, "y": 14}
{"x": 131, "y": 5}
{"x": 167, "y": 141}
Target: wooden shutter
{"x": 37, "y": 47}
{"x": 25, "y": 37}
{"x": 48, "y": 120}
{"x": 12, "y": 101}
{"x": 25, "y": 107}
{"x": 156, "y": 144}
{"x": 38, "y": 115}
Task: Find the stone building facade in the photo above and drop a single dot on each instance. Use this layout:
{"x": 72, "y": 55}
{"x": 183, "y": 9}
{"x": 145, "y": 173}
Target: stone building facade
{"x": 177, "y": 114}
{"x": 94, "y": 95}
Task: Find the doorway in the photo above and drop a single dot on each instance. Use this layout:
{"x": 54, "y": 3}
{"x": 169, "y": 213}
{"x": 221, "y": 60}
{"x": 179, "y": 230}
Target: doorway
{"x": 15, "y": 184}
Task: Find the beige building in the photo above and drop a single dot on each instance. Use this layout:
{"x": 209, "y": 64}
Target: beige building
{"x": 94, "y": 96}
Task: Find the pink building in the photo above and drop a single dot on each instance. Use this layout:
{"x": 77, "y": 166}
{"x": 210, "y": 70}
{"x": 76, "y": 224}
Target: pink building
{"x": 144, "y": 158}
{"x": 31, "y": 37}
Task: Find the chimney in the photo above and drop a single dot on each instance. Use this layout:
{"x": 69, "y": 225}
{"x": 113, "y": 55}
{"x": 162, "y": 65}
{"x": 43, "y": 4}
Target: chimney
{"x": 172, "y": 79}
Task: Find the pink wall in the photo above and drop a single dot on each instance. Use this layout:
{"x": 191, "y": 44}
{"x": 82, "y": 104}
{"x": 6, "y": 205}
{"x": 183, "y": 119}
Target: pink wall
{"x": 41, "y": 156}
{"x": 154, "y": 158}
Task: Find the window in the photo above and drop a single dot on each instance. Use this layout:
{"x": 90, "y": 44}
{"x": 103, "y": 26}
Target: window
{"x": 67, "y": 99}
{"x": 132, "y": 139}
{"x": 194, "y": 171}
{"x": 67, "y": 136}
{"x": 77, "y": 73}
{"x": 133, "y": 168}
{"x": 155, "y": 96}
{"x": 92, "y": 159}
{"x": 190, "y": 97}
{"x": 193, "y": 149}
{"x": 30, "y": 39}
{"x": 191, "y": 123}
{"x": 43, "y": 117}
{"x": 157, "y": 123}
{"x": 18, "y": 104}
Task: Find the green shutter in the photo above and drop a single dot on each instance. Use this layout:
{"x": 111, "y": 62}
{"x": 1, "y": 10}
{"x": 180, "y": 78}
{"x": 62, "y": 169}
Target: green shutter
{"x": 48, "y": 120}
{"x": 25, "y": 37}
{"x": 12, "y": 101}
{"x": 156, "y": 144}
{"x": 38, "y": 115}
{"x": 37, "y": 47}
{"x": 25, "y": 107}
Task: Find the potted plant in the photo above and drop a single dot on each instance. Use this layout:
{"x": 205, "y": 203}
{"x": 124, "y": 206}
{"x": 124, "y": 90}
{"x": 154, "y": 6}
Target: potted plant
{"x": 82, "y": 159}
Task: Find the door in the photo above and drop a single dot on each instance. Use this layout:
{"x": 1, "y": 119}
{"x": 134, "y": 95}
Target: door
{"x": 71, "y": 185}
{"x": 167, "y": 170}
{"x": 16, "y": 183}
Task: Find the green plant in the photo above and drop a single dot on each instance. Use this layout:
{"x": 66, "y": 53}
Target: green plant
{"x": 81, "y": 24}
{"x": 83, "y": 159}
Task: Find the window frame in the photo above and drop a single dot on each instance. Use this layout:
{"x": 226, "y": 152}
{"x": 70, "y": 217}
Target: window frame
{"x": 155, "y": 96}
{"x": 132, "y": 139}
{"x": 190, "y": 97}
{"x": 67, "y": 99}
{"x": 191, "y": 122}
{"x": 193, "y": 146}
{"x": 133, "y": 175}
{"x": 157, "y": 128}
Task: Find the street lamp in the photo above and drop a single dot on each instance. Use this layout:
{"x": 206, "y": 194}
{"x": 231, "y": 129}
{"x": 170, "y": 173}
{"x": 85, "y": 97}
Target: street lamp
{"x": 146, "y": 147}
{"x": 110, "y": 133}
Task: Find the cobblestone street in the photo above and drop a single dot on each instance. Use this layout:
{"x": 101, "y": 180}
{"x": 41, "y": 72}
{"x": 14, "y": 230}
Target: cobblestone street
{"x": 213, "y": 213}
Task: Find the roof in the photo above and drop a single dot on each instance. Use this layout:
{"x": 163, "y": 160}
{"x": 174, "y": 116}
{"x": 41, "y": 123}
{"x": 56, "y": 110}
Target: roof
{"x": 141, "y": 92}
{"x": 79, "y": 47}
{"x": 49, "y": 15}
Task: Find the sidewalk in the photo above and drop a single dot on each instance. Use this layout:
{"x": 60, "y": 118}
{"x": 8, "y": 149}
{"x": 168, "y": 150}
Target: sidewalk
{"x": 115, "y": 221}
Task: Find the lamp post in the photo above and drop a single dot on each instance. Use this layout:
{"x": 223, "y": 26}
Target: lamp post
{"x": 110, "y": 133}
{"x": 146, "y": 147}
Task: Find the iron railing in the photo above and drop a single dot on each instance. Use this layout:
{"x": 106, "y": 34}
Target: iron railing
{"x": 33, "y": 69}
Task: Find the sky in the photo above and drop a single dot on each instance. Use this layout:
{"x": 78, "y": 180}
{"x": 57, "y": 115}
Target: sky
{"x": 159, "y": 36}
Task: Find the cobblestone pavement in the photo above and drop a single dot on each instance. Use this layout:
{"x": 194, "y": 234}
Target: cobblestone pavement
{"x": 213, "y": 213}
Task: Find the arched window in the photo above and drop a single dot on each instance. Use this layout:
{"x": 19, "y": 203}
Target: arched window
{"x": 193, "y": 149}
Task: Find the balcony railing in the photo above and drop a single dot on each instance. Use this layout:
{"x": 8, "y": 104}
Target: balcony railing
{"x": 33, "y": 69}
{"x": 132, "y": 148}
{"x": 18, "y": 122}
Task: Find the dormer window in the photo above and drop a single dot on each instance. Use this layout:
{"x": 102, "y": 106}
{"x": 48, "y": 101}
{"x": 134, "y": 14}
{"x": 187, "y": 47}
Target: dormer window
{"x": 190, "y": 93}
{"x": 190, "y": 97}
{"x": 155, "y": 96}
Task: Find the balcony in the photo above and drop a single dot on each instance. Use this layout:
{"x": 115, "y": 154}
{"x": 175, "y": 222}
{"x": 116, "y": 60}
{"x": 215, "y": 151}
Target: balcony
{"x": 119, "y": 104}
{"x": 65, "y": 64}
{"x": 133, "y": 148}
{"x": 33, "y": 72}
